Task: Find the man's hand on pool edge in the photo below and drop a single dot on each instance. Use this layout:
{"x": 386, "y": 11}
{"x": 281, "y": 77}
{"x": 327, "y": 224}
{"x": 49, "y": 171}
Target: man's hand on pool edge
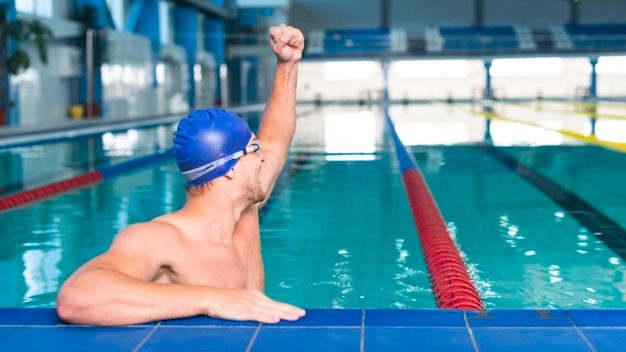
{"x": 250, "y": 305}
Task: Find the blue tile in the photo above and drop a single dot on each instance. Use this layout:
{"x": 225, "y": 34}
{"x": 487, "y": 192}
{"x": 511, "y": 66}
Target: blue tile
{"x": 415, "y": 318}
{"x": 93, "y": 339}
{"x": 600, "y": 318}
{"x": 206, "y": 321}
{"x": 18, "y": 338}
{"x": 417, "y": 338}
{"x": 606, "y": 339}
{"x": 195, "y": 339}
{"x": 518, "y": 318}
{"x": 303, "y": 339}
{"x": 326, "y": 318}
{"x": 529, "y": 339}
{"x": 29, "y": 316}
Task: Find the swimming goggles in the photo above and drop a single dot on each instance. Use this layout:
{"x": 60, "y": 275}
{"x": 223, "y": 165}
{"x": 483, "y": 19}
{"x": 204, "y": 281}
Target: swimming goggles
{"x": 194, "y": 174}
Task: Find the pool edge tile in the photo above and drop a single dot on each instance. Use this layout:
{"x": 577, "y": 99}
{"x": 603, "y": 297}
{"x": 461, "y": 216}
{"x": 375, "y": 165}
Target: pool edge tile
{"x": 518, "y": 318}
{"x": 598, "y": 317}
{"x": 415, "y": 318}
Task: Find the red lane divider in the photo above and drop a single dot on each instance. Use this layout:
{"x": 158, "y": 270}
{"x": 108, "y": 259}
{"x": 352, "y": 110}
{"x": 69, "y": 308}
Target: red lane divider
{"x": 35, "y": 194}
{"x": 450, "y": 282}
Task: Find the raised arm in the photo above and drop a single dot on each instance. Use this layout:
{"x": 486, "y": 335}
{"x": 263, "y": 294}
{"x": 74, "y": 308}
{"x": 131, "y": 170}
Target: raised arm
{"x": 117, "y": 288}
{"x": 278, "y": 124}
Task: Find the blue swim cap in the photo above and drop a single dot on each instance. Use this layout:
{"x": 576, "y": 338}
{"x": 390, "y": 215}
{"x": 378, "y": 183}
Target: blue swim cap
{"x": 205, "y": 136}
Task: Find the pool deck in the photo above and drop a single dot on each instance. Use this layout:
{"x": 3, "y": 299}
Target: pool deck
{"x": 39, "y": 329}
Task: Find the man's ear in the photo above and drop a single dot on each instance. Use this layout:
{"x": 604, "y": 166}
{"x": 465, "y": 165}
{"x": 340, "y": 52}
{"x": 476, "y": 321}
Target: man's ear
{"x": 230, "y": 174}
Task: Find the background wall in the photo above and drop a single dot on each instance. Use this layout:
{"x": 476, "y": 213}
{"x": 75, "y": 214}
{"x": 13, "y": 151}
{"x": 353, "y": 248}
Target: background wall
{"x": 47, "y": 91}
{"x": 128, "y": 80}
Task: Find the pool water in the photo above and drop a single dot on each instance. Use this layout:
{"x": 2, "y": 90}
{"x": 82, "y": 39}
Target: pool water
{"x": 341, "y": 236}
{"x": 526, "y": 251}
{"x": 338, "y": 231}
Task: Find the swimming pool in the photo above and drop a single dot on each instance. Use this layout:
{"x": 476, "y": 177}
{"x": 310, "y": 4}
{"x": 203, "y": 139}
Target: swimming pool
{"x": 338, "y": 230}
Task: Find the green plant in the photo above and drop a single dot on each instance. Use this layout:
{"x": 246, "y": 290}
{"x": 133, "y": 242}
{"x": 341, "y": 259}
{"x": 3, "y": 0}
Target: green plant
{"x": 22, "y": 30}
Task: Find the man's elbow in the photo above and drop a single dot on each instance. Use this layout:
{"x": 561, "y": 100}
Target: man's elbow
{"x": 73, "y": 306}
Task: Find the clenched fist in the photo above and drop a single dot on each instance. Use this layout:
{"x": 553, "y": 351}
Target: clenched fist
{"x": 287, "y": 43}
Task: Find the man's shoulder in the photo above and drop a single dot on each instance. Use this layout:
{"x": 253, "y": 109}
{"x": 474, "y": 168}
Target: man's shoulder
{"x": 156, "y": 229}
{"x": 160, "y": 224}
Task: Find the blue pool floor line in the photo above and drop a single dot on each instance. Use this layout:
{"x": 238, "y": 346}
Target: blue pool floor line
{"x": 601, "y": 226}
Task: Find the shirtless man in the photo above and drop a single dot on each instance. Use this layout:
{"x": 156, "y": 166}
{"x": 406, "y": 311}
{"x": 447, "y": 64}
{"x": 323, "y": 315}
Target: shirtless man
{"x": 204, "y": 259}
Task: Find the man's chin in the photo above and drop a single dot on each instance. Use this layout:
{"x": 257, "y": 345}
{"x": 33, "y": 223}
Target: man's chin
{"x": 258, "y": 198}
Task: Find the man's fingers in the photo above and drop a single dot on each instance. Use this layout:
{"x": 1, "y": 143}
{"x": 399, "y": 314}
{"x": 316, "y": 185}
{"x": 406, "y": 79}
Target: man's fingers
{"x": 279, "y": 33}
{"x": 275, "y": 34}
{"x": 294, "y": 36}
{"x": 254, "y": 305}
{"x": 285, "y": 310}
{"x": 268, "y": 314}
{"x": 268, "y": 302}
{"x": 299, "y": 41}
{"x": 293, "y": 40}
{"x": 278, "y": 309}
{"x": 286, "y": 37}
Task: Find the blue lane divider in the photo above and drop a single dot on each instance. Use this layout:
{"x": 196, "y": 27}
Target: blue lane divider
{"x": 136, "y": 163}
{"x": 406, "y": 159}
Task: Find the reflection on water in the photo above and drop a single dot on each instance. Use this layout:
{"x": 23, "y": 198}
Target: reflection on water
{"x": 611, "y": 130}
{"x": 557, "y": 287}
{"x": 403, "y": 278}
{"x": 45, "y": 242}
{"x": 433, "y": 133}
{"x": 342, "y": 279}
{"x": 510, "y": 133}
{"x": 121, "y": 143}
{"x": 555, "y": 272}
{"x": 41, "y": 274}
{"x": 40, "y": 258}
{"x": 37, "y": 165}
{"x": 564, "y": 285}
{"x": 350, "y": 136}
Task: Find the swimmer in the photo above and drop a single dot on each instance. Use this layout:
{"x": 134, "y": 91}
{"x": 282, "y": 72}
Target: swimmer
{"x": 204, "y": 259}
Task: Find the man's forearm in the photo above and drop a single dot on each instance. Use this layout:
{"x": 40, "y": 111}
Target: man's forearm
{"x": 106, "y": 297}
{"x": 279, "y": 124}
